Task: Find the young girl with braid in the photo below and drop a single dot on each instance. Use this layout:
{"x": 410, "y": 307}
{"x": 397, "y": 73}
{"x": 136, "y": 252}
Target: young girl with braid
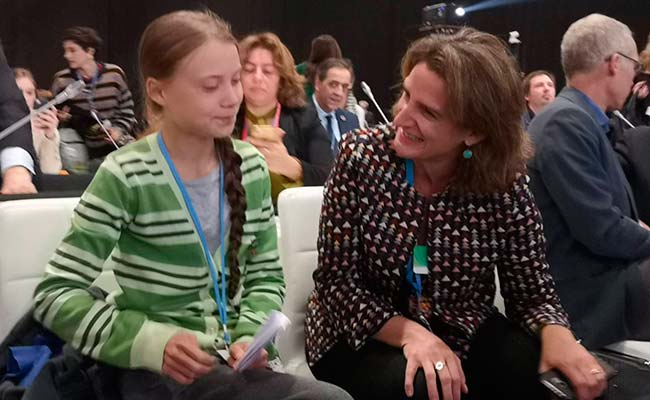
{"x": 184, "y": 218}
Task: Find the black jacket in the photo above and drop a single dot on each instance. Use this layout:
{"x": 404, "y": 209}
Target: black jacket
{"x": 305, "y": 139}
{"x": 12, "y": 108}
{"x": 632, "y": 147}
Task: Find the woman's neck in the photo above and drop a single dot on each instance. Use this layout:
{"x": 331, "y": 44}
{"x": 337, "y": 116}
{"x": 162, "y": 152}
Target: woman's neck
{"x": 261, "y": 110}
{"x": 433, "y": 176}
{"x": 194, "y": 156}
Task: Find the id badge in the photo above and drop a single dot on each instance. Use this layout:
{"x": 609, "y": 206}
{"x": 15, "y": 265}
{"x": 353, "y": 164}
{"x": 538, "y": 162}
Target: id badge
{"x": 420, "y": 260}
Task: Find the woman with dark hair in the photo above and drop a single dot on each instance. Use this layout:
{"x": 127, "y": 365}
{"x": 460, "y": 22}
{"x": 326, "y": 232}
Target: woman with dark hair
{"x": 184, "y": 219}
{"x": 415, "y": 221}
{"x": 275, "y": 118}
{"x": 106, "y": 94}
{"x": 322, "y": 48}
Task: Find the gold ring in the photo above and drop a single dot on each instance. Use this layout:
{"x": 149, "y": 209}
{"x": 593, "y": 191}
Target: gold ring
{"x": 439, "y": 365}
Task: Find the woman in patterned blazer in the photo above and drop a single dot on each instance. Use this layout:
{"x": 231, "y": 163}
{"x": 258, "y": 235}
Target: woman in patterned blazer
{"x": 415, "y": 221}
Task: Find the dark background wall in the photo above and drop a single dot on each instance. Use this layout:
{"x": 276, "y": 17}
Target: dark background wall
{"x": 373, "y": 33}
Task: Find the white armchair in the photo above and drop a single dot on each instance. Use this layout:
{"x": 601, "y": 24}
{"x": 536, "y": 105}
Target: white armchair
{"x": 299, "y": 211}
{"x": 30, "y": 231}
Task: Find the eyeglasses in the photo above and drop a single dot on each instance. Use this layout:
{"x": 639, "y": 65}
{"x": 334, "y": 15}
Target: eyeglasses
{"x": 637, "y": 64}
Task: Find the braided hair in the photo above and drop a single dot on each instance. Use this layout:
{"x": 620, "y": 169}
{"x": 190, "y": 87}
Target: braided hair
{"x": 236, "y": 196}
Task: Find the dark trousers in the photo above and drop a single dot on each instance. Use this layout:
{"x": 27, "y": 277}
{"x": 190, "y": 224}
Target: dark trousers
{"x": 640, "y": 304}
{"x": 502, "y": 364}
{"x": 224, "y": 383}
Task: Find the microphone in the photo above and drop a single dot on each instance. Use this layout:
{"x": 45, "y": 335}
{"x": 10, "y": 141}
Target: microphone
{"x": 619, "y": 115}
{"x": 70, "y": 92}
{"x": 368, "y": 92}
{"x": 93, "y": 113}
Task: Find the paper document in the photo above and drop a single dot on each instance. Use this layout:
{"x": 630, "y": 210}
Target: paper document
{"x": 277, "y": 322}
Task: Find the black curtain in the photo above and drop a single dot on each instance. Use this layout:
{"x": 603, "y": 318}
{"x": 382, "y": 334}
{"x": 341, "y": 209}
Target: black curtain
{"x": 372, "y": 33}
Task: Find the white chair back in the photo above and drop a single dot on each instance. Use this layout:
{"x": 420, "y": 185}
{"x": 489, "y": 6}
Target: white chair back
{"x": 30, "y": 231}
{"x": 299, "y": 210}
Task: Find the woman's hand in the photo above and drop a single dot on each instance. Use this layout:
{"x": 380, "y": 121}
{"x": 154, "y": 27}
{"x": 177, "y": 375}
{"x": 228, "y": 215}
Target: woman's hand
{"x": 561, "y": 351}
{"x": 184, "y": 361}
{"x": 238, "y": 350}
{"x": 278, "y": 158}
{"x": 47, "y": 122}
{"x": 425, "y": 350}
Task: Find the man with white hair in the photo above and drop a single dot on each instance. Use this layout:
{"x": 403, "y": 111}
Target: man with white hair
{"x": 598, "y": 250}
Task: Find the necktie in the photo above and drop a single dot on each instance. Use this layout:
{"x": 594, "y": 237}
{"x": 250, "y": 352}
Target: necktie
{"x": 330, "y": 131}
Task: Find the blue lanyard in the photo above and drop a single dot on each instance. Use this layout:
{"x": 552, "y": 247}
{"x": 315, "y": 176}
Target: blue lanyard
{"x": 414, "y": 279}
{"x": 220, "y": 296}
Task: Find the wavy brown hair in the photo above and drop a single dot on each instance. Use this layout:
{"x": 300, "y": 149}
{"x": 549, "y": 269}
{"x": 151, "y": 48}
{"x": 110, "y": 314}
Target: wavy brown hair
{"x": 291, "y": 91}
{"x": 484, "y": 96}
{"x": 165, "y": 43}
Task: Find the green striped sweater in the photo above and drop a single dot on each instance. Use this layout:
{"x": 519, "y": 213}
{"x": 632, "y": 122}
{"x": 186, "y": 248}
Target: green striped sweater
{"x": 132, "y": 218}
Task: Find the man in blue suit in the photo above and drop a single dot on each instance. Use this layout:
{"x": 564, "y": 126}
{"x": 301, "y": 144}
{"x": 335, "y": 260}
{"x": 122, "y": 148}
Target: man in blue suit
{"x": 334, "y": 78}
{"x": 598, "y": 250}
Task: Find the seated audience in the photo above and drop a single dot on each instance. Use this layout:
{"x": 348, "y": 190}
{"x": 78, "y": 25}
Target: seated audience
{"x": 161, "y": 331}
{"x": 539, "y": 91}
{"x": 414, "y": 224}
{"x": 598, "y": 249}
{"x": 296, "y": 148}
{"x": 45, "y": 134}
{"x": 106, "y": 93}
{"x": 17, "y": 153}
{"x": 322, "y": 48}
{"x": 334, "y": 78}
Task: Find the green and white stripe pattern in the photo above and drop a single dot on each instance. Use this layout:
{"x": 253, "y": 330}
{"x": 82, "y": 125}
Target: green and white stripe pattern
{"x": 132, "y": 219}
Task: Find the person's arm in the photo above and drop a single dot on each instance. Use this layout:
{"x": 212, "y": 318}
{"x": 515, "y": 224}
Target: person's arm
{"x": 316, "y": 156}
{"x": 12, "y": 157}
{"x": 580, "y": 187}
{"x": 124, "y": 119}
{"x": 17, "y": 178}
{"x": 63, "y": 303}
{"x": 561, "y": 351}
{"x": 526, "y": 282}
{"x": 17, "y": 153}
{"x": 263, "y": 281}
{"x": 339, "y": 286}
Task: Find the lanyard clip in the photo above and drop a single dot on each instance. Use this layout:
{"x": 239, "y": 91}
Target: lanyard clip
{"x": 226, "y": 337}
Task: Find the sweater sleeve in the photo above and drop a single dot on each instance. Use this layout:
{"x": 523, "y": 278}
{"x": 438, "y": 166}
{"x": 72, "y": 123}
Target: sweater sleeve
{"x": 124, "y": 117}
{"x": 263, "y": 280}
{"x": 339, "y": 286}
{"x": 63, "y": 303}
{"x": 526, "y": 283}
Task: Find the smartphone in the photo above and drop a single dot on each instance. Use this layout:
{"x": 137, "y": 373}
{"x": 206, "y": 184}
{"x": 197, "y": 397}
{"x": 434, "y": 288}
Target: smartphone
{"x": 554, "y": 381}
